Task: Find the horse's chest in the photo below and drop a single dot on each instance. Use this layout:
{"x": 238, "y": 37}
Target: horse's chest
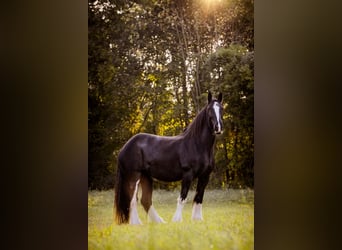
{"x": 193, "y": 160}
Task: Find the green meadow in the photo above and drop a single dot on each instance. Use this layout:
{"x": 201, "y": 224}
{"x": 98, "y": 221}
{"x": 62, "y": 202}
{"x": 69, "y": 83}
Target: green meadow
{"x": 228, "y": 222}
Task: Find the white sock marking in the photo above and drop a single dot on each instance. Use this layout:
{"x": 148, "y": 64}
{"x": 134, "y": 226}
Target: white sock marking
{"x": 217, "y": 113}
{"x": 133, "y": 212}
{"x": 197, "y": 211}
{"x": 178, "y": 214}
{"x": 154, "y": 216}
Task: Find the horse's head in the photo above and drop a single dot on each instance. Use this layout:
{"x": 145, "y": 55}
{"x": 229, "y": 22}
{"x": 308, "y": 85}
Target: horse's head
{"x": 214, "y": 111}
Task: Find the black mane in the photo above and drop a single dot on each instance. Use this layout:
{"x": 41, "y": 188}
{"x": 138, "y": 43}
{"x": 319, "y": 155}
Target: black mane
{"x": 195, "y": 127}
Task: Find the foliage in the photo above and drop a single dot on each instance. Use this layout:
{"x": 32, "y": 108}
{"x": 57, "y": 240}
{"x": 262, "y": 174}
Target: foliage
{"x": 228, "y": 223}
{"x": 151, "y": 64}
{"x": 231, "y": 70}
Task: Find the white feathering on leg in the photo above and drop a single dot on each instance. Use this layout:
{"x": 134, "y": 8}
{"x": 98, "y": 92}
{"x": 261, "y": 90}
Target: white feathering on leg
{"x": 133, "y": 212}
{"x": 153, "y": 215}
{"x": 178, "y": 214}
{"x": 197, "y": 211}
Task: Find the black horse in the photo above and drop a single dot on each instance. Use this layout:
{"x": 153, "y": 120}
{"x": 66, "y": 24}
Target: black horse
{"x": 183, "y": 157}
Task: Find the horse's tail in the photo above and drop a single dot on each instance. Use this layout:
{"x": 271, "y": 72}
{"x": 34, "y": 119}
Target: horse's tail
{"x": 122, "y": 201}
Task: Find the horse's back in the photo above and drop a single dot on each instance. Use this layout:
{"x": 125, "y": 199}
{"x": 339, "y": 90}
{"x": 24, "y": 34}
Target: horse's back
{"x": 152, "y": 153}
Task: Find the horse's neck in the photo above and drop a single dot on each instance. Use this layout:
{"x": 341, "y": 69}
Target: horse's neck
{"x": 200, "y": 134}
{"x": 206, "y": 139}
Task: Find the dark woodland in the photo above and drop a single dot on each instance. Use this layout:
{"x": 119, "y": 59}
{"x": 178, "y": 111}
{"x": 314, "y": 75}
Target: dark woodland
{"x": 150, "y": 67}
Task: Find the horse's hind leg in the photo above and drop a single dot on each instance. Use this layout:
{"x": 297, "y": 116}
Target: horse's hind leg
{"x": 133, "y": 194}
{"x": 146, "y": 199}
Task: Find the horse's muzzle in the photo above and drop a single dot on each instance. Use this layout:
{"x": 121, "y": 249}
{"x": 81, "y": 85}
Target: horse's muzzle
{"x": 218, "y": 129}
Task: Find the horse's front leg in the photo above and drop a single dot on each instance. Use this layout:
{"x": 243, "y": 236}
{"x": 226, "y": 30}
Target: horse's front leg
{"x": 197, "y": 205}
{"x": 186, "y": 182}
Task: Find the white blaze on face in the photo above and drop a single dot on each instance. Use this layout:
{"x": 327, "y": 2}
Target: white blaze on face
{"x": 217, "y": 113}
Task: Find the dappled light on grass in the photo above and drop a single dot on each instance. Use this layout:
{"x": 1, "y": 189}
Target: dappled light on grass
{"x": 228, "y": 223}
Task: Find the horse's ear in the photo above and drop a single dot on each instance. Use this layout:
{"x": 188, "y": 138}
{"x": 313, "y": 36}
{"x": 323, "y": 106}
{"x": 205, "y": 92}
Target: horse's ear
{"x": 219, "y": 98}
{"x": 209, "y": 97}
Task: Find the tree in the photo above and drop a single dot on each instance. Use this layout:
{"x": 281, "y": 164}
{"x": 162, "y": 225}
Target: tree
{"x": 232, "y": 69}
{"x": 150, "y": 66}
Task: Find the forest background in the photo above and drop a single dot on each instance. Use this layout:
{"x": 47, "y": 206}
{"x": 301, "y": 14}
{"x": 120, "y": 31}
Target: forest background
{"x": 150, "y": 66}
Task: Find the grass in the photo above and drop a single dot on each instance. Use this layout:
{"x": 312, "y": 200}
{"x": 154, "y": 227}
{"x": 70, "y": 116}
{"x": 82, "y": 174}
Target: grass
{"x": 228, "y": 223}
